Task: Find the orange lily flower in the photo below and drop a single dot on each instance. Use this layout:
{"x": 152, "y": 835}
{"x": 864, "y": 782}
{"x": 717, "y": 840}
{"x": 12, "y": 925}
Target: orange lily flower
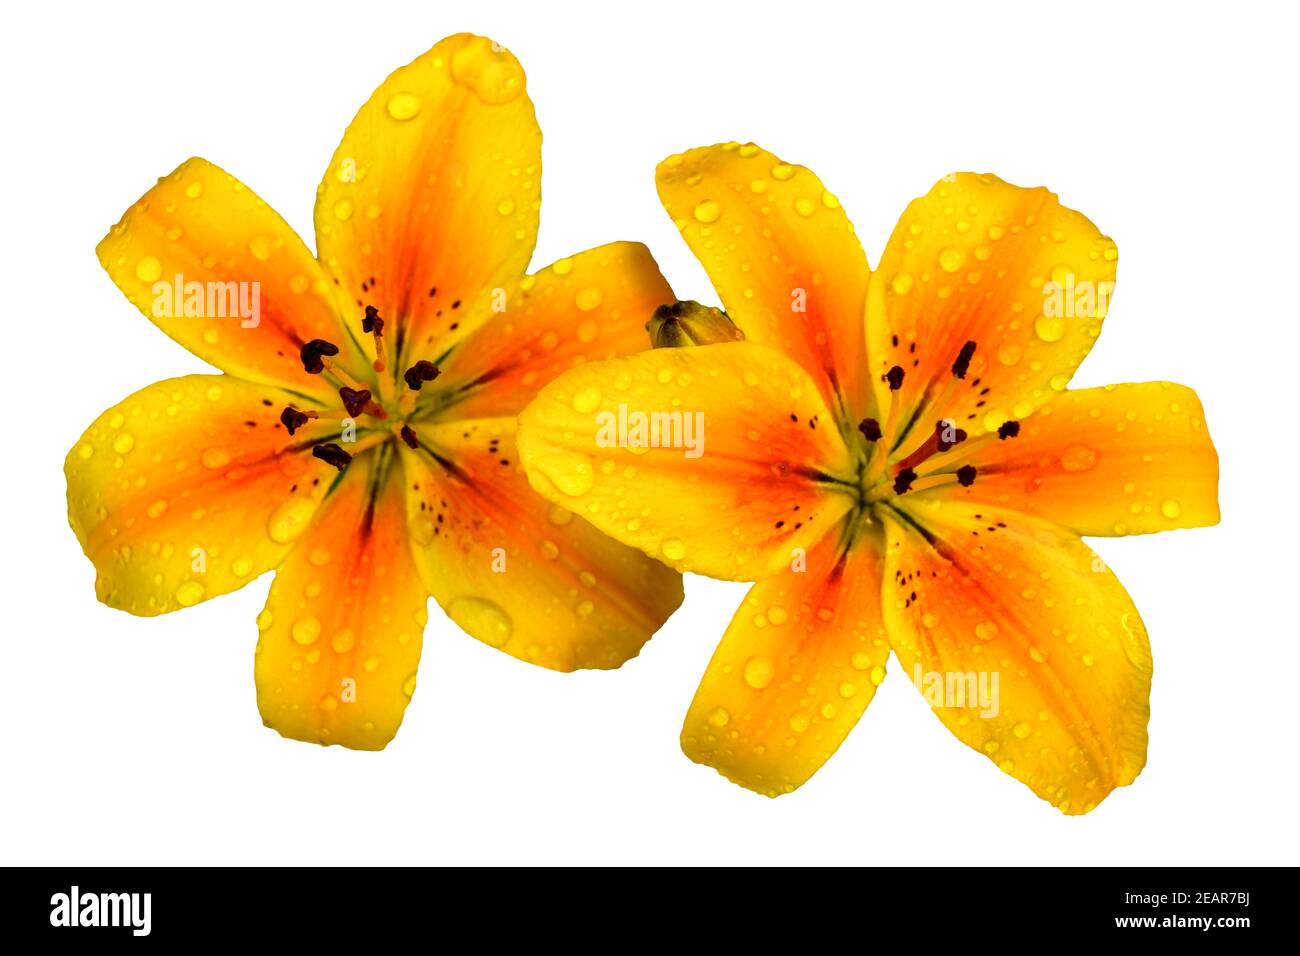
{"x": 895, "y": 459}
{"x": 362, "y": 438}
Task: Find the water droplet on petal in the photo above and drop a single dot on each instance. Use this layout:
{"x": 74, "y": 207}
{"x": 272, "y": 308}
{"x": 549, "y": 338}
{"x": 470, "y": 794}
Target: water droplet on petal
{"x": 189, "y": 594}
{"x": 708, "y": 211}
{"x": 759, "y": 671}
{"x": 305, "y": 631}
{"x": 673, "y": 549}
{"x": 290, "y": 519}
{"x": 1078, "y": 458}
{"x": 148, "y": 269}
{"x": 482, "y": 619}
{"x": 403, "y": 106}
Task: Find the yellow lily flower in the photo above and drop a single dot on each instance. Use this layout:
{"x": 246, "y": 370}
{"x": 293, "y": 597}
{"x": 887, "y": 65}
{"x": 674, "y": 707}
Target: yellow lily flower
{"x": 362, "y": 438}
{"x": 918, "y": 483}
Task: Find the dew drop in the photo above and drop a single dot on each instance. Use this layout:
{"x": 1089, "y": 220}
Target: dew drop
{"x": 148, "y": 269}
{"x": 588, "y": 299}
{"x": 1078, "y": 458}
{"x": 189, "y": 594}
{"x": 759, "y": 671}
{"x": 951, "y": 259}
{"x": 290, "y": 519}
{"x": 708, "y": 211}
{"x": 482, "y": 619}
{"x": 305, "y": 630}
{"x": 403, "y": 106}
{"x": 215, "y": 458}
{"x": 1049, "y": 328}
{"x": 586, "y": 400}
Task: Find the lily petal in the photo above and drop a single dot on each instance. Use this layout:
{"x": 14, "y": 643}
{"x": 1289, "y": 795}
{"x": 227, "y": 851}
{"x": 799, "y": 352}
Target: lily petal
{"x": 516, "y": 572}
{"x": 796, "y": 669}
{"x": 753, "y": 479}
{"x": 218, "y": 270}
{"x": 783, "y": 258}
{"x": 975, "y": 594}
{"x": 1125, "y": 459}
{"x": 977, "y": 260}
{"x": 432, "y": 198}
{"x": 188, "y": 489}
{"x": 342, "y": 628}
{"x": 591, "y": 306}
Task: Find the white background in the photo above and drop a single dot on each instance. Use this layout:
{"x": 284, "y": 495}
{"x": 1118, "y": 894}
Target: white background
{"x": 138, "y": 741}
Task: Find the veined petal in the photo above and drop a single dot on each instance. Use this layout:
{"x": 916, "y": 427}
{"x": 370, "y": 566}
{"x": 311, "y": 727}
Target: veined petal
{"x": 796, "y": 669}
{"x": 1125, "y": 459}
{"x": 1011, "y": 270}
{"x": 188, "y": 489}
{"x": 783, "y": 257}
{"x": 431, "y": 200}
{"x": 719, "y": 459}
{"x": 591, "y": 306}
{"x": 517, "y": 572}
{"x": 342, "y": 628}
{"x": 218, "y": 270}
{"x": 1024, "y": 643}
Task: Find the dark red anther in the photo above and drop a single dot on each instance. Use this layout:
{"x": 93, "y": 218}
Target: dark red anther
{"x": 353, "y": 400}
{"x": 903, "y": 481}
{"x": 895, "y": 378}
{"x": 870, "y": 429}
{"x": 372, "y": 323}
{"x": 408, "y": 436}
{"x": 1008, "y": 430}
{"x": 311, "y": 355}
{"x": 421, "y": 372}
{"x": 292, "y": 419}
{"x": 966, "y": 475}
{"x": 946, "y": 435}
{"x": 962, "y": 365}
{"x": 331, "y": 454}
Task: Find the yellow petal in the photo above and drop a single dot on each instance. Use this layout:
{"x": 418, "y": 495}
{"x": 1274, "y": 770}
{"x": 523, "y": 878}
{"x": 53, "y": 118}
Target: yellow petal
{"x": 1011, "y": 270}
{"x": 781, "y": 254}
{"x": 188, "y": 489}
{"x": 796, "y": 669}
{"x": 720, "y": 459}
{"x": 217, "y": 269}
{"x": 1126, "y": 459}
{"x": 519, "y": 573}
{"x": 584, "y": 308}
{"x": 431, "y": 200}
{"x": 342, "y": 627}
{"x": 1024, "y": 643}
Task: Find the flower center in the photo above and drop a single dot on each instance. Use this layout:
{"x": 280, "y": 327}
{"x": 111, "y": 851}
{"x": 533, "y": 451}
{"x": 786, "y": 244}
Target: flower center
{"x": 901, "y": 457}
{"x": 363, "y": 420}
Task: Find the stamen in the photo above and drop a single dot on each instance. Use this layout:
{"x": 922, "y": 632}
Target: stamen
{"x": 293, "y": 419}
{"x": 1008, "y": 429}
{"x": 903, "y": 481}
{"x": 942, "y": 428}
{"x": 870, "y": 429}
{"x": 373, "y": 324}
{"x": 946, "y": 435}
{"x": 966, "y": 475}
{"x": 421, "y": 372}
{"x": 332, "y": 454}
{"x": 354, "y": 400}
{"x": 962, "y": 365}
{"x": 311, "y": 355}
{"x": 408, "y": 436}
